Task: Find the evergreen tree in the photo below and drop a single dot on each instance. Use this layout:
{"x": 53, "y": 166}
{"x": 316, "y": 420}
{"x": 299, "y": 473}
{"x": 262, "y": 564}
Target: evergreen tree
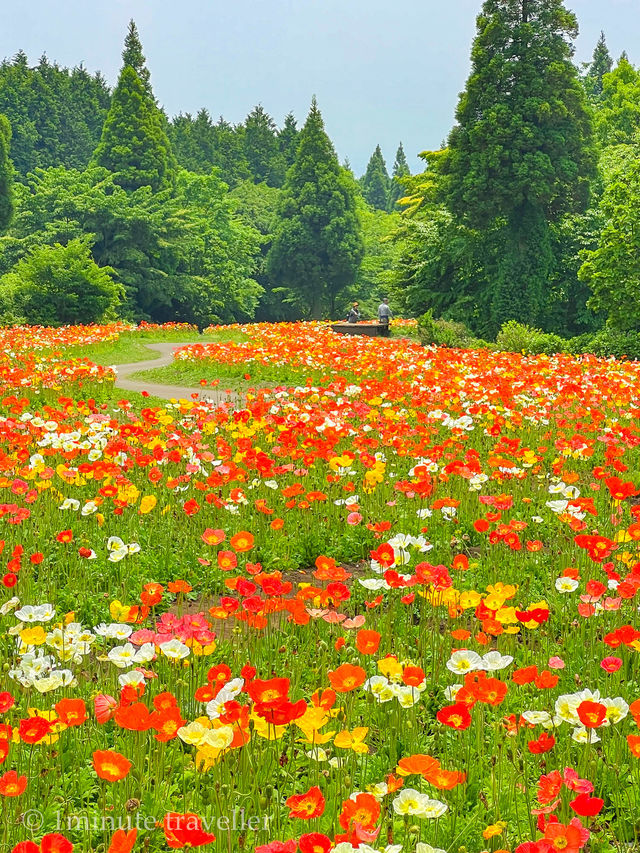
{"x": 522, "y": 151}
{"x": 318, "y": 247}
{"x": 6, "y": 175}
{"x": 261, "y": 148}
{"x": 56, "y": 114}
{"x": 601, "y": 64}
{"x": 376, "y": 183}
{"x": 133, "y": 56}
{"x": 134, "y": 145}
{"x": 400, "y": 170}
{"x": 288, "y": 140}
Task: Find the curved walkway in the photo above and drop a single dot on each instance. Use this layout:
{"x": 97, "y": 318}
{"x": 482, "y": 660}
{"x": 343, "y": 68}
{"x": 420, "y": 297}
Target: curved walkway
{"x": 157, "y": 389}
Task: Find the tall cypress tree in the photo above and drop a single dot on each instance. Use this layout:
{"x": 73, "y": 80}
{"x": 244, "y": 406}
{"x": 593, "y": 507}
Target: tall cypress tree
{"x": 6, "y": 175}
{"x": 288, "y": 139}
{"x": 400, "y": 170}
{"x": 522, "y": 151}
{"x": 134, "y": 145}
{"x": 133, "y": 56}
{"x": 318, "y": 247}
{"x": 601, "y": 64}
{"x": 376, "y": 182}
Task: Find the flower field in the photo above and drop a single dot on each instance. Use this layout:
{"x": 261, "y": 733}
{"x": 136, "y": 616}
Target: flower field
{"x": 390, "y": 604}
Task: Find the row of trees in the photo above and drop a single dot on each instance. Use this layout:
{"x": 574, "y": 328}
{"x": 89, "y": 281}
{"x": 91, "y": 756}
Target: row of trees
{"x": 133, "y": 231}
{"x": 532, "y": 210}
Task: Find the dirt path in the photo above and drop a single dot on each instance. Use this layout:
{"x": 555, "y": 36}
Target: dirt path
{"x": 166, "y": 392}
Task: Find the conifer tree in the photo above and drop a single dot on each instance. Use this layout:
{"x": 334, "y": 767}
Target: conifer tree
{"x": 400, "y": 170}
{"x": 134, "y": 145}
{"x": 376, "y": 183}
{"x": 6, "y": 175}
{"x": 601, "y": 64}
{"x": 318, "y": 247}
{"x": 288, "y": 139}
{"x": 133, "y": 56}
{"x": 522, "y": 151}
{"x": 261, "y": 148}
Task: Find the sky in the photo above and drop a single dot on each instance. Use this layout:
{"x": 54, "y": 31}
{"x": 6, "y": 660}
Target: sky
{"x": 383, "y": 71}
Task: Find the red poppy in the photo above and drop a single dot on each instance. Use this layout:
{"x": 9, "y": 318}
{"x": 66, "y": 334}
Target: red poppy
{"x": 545, "y": 743}
{"x": 314, "y": 842}
{"x": 185, "y": 830}
{"x": 455, "y": 716}
{"x": 587, "y": 806}
{"x": 55, "y": 843}
{"x": 34, "y": 729}
{"x": 591, "y": 714}
{"x": 71, "y": 712}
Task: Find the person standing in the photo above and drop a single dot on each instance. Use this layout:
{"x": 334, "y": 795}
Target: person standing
{"x": 354, "y": 313}
{"x": 384, "y": 317}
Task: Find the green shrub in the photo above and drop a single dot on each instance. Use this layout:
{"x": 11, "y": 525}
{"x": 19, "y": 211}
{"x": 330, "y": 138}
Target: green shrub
{"x": 446, "y": 333}
{"x": 611, "y": 342}
{"x": 59, "y": 285}
{"x": 517, "y": 337}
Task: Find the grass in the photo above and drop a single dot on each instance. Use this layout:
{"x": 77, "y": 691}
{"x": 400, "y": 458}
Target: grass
{"x": 232, "y": 375}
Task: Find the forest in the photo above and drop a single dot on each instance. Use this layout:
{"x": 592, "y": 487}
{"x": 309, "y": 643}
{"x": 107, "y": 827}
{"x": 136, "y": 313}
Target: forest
{"x": 110, "y": 208}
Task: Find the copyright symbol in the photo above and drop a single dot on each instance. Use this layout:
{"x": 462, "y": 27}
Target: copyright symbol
{"x": 33, "y": 819}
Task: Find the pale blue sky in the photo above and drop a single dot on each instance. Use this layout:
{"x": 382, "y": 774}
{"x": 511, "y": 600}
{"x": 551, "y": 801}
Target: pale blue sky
{"x": 382, "y": 70}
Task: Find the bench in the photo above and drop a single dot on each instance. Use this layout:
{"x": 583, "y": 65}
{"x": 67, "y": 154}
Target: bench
{"x": 371, "y": 330}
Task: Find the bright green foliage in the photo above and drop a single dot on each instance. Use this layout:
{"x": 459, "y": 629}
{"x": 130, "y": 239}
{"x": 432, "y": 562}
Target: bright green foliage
{"x": 58, "y": 285}
{"x": 401, "y": 170}
{"x": 288, "y": 140}
{"x": 376, "y": 183}
{"x": 6, "y": 175}
{"x": 601, "y": 64}
{"x": 56, "y": 114}
{"x": 261, "y": 148}
{"x": 180, "y": 255}
{"x": 612, "y": 270}
{"x": 257, "y": 206}
{"x": 522, "y": 151}
{"x": 318, "y": 247}
{"x": 134, "y": 145}
{"x": 618, "y": 114}
{"x": 381, "y": 255}
{"x": 133, "y": 56}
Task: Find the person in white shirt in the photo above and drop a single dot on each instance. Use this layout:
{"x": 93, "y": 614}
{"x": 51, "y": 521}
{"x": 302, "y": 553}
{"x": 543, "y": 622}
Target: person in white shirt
{"x": 384, "y": 317}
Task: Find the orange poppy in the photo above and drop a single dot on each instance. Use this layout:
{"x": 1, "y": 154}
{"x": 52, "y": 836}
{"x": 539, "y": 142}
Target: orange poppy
{"x": 122, "y": 841}
{"x": 110, "y": 765}
{"x": 417, "y": 764}
{"x": 347, "y": 677}
{"x": 633, "y": 742}
{"x": 12, "y": 785}
{"x": 306, "y": 806}
{"x": 242, "y": 541}
{"x": 367, "y": 642}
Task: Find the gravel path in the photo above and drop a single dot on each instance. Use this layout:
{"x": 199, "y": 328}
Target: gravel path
{"x": 157, "y": 389}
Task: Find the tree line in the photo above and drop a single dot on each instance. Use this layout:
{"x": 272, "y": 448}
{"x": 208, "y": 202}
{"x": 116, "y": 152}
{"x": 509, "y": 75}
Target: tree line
{"x": 528, "y": 212}
{"x": 108, "y": 207}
